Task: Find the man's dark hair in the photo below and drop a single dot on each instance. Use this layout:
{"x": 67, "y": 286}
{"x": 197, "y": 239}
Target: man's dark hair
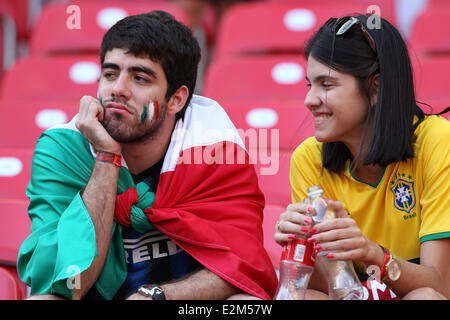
{"x": 158, "y": 36}
{"x": 392, "y": 136}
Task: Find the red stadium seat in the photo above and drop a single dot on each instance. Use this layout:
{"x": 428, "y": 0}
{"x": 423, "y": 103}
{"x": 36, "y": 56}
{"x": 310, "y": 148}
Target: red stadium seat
{"x": 52, "y": 78}
{"x": 13, "y": 231}
{"x": 270, "y": 27}
{"x": 11, "y": 287}
{"x": 274, "y": 77}
{"x": 271, "y": 216}
{"x": 78, "y": 26}
{"x": 387, "y": 8}
{"x": 431, "y": 86}
{"x": 15, "y": 170}
{"x": 14, "y": 228}
{"x": 273, "y": 175}
{"x": 430, "y": 32}
{"x": 275, "y": 125}
{"x": 438, "y": 4}
{"x": 22, "y": 122}
{"x": 8, "y": 286}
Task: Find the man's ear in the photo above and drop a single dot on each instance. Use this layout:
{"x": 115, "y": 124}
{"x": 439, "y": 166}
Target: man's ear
{"x": 373, "y": 89}
{"x": 177, "y": 100}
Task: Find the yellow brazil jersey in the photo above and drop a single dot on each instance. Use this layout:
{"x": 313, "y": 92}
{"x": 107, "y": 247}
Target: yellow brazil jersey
{"x": 408, "y": 205}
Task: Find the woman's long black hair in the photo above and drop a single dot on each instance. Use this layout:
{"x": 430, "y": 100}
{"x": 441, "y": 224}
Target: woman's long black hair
{"x": 392, "y": 137}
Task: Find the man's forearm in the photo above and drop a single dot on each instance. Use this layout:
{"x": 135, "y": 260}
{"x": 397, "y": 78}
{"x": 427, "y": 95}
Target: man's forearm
{"x": 99, "y": 198}
{"x": 200, "y": 285}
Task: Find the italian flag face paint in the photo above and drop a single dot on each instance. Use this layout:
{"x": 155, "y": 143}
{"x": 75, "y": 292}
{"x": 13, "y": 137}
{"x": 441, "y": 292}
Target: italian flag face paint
{"x": 99, "y": 98}
{"x": 151, "y": 112}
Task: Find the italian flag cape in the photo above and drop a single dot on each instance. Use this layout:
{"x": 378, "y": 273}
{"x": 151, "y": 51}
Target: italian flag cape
{"x": 207, "y": 201}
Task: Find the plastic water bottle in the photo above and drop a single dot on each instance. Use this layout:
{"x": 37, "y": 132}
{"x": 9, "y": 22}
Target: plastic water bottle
{"x": 343, "y": 283}
{"x": 296, "y": 267}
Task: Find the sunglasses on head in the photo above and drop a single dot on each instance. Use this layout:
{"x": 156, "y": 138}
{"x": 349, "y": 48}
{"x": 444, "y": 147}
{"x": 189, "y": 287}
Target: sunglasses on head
{"x": 346, "y": 23}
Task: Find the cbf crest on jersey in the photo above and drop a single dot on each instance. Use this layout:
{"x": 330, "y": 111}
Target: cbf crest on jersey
{"x": 404, "y": 195}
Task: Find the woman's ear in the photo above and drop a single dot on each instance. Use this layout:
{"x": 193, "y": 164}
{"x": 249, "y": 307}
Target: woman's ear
{"x": 177, "y": 100}
{"x": 373, "y": 89}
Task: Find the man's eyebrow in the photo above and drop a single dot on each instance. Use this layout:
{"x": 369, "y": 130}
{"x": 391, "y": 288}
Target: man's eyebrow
{"x": 322, "y": 77}
{"x": 146, "y": 70}
{"x": 109, "y": 65}
{"x": 143, "y": 69}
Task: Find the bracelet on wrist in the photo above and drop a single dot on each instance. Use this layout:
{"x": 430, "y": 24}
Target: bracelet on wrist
{"x": 104, "y": 156}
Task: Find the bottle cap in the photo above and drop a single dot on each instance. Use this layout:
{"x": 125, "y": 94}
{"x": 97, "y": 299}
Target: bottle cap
{"x": 315, "y": 191}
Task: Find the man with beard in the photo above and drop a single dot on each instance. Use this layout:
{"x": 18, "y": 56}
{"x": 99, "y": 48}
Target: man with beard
{"x": 121, "y": 207}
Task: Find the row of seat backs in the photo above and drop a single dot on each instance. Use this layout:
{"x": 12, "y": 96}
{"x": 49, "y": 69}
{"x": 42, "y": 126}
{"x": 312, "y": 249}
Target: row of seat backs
{"x": 259, "y": 26}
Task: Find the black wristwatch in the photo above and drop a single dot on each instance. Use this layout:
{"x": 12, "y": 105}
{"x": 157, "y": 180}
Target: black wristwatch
{"x": 149, "y": 290}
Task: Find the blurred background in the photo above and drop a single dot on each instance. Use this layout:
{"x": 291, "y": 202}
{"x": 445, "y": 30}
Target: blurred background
{"x": 252, "y": 64}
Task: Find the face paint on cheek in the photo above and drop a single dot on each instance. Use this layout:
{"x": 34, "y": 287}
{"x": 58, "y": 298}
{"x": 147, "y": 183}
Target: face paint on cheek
{"x": 101, "y": 100}
{"x": 153, "y": 110}
{"x": 144, "y": 114}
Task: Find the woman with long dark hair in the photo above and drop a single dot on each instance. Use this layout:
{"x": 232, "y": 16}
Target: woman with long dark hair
{"x": 383, "y": 161}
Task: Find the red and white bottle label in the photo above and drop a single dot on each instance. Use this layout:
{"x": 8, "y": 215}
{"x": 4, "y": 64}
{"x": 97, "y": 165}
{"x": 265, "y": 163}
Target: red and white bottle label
{"x": 300, "y": 251}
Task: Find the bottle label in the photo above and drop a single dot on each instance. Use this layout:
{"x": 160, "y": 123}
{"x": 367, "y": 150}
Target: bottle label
{"x": 299, "y": 251}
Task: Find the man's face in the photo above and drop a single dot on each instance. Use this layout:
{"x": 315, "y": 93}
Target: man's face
{"x": 132, "y": 91}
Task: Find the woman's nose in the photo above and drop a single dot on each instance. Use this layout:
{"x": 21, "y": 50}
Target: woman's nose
{"x": 312, "y": 99}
